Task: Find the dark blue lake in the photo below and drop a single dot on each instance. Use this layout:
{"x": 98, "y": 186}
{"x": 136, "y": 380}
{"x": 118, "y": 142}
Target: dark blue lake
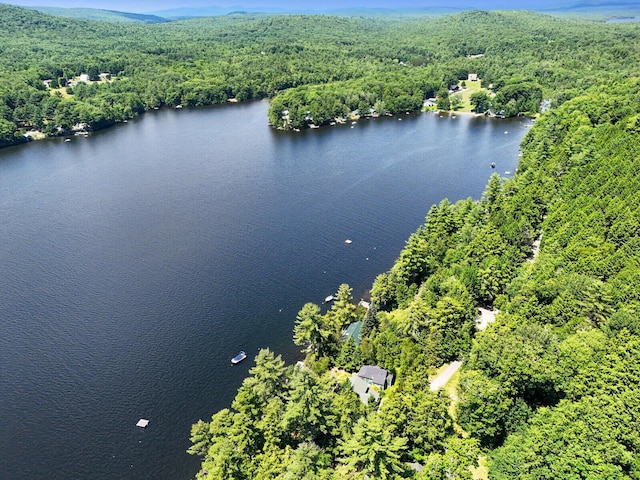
{"x": 136, "y": 262}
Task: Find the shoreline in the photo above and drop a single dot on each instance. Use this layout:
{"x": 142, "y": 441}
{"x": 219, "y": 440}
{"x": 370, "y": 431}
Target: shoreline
{"x": 86, "y": 130}
{"x": 462, "y": 112}
{"x": 353, "y": 119}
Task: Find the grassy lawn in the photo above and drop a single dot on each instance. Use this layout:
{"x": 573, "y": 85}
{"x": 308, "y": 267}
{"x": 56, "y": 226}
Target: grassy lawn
{"x": 434, "y": 372}
{"x": 465, "y": 95}
{"x": 63, "y": 90}
{"x": 452, "y": 385}
{"x": 451, "y": 389}
{"x": 339, "y": 374}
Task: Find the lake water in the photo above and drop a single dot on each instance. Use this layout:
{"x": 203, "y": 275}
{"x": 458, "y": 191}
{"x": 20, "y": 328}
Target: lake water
{"x": 136, "y": 262}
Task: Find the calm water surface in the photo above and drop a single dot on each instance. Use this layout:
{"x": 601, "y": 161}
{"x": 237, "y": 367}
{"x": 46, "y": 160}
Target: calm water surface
{"x": 136, "y": 262}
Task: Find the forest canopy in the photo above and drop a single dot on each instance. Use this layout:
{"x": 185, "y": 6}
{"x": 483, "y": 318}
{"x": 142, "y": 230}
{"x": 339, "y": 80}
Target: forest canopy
{"x": 58, "y": 75}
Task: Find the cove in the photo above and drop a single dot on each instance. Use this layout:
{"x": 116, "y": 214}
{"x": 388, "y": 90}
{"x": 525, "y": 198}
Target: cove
{"x": 136, "y": 262}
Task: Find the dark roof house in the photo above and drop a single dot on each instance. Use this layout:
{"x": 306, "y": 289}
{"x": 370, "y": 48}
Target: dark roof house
{"x": 375, "y": 375}
{"x": 370, "y": 381}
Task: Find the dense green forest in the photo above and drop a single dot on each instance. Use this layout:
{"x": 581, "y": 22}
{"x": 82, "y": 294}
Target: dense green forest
{"x": 552, "y": 388}
{"x": 314, "y": 68}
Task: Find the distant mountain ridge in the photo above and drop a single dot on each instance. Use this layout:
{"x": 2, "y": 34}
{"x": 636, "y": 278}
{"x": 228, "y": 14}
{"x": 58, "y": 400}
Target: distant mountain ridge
{"x": 212, "y": 11}
{"x": 595, "y": 5}
{"x": 100, "y": 15}
{"x": 444, "y": 8}
{"x": 160, "y": 16}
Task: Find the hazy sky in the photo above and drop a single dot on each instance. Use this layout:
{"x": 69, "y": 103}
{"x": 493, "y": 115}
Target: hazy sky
{"x": 154, "y": 5}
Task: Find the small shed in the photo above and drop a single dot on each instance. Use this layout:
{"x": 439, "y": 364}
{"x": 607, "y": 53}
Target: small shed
{"x": 473, "y": 77}
{"x": 353, "y": 331}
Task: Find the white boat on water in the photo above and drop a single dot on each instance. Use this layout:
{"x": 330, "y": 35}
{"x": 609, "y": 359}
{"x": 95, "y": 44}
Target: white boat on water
{"x": 329, "y": 299}
{"x": 347, "y": 241}
{"x": 239, "y": 357}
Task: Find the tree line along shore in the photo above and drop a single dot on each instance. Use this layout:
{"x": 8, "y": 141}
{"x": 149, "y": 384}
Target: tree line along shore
{"x": 60, "y": 75}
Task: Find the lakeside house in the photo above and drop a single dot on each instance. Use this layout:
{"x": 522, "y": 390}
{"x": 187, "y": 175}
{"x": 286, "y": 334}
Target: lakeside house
{"x": 370, "y": 381}
{"x": 430, "y": 102}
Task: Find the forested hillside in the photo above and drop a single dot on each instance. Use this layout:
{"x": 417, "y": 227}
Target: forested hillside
{"x": 549, "y": 391}
{"x": 556, "y": 384}
{"x": 314, "y": 67}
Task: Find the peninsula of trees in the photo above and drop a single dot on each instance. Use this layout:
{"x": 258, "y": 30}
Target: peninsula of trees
{"x": 60, "y": 74}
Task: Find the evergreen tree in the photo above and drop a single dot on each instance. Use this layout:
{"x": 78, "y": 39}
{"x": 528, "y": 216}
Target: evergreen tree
{"x": 370, "y": 321}
{"x": 343, "y": 311}
{"x": 311, "y": 331}
{"x": 372, "y": 451}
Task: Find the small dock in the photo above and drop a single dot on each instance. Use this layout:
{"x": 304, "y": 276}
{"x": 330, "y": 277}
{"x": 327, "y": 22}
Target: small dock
{"x": 142, "y": 423}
